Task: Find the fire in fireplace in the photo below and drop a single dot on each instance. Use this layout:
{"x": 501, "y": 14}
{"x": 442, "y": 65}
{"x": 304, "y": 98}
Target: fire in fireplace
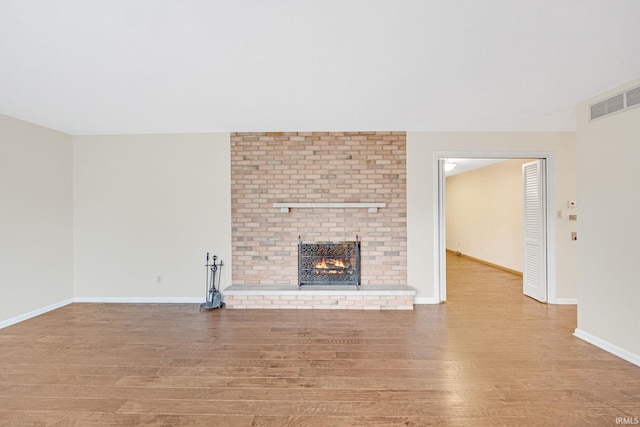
{"x": 329, "y": 263}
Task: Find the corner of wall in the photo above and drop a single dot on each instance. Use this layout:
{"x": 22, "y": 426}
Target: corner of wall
{"x": 36, "y": 188}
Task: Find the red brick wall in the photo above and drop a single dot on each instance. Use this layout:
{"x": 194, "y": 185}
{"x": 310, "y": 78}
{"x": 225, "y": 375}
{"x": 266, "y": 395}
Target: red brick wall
{"x": 330, "y": 167}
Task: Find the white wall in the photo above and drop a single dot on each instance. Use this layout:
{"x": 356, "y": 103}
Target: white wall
{"x": 421, "y": 149}
{"x": 609, "y": 206}
{"x": 150, "y": 206}
{"x": 35, "y": 218}
{"x": 147, "y": 208}
{"x": 484, "y": 213}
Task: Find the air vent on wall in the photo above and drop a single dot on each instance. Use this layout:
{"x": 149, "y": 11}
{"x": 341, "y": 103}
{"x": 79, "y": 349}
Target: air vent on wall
{"x": 633, "y": 97}
{"x": 608, "y": 106}
{"x": 622, "y": 101}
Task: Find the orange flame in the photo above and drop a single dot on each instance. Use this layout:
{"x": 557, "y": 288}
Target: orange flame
{"x": 330, "y": 265}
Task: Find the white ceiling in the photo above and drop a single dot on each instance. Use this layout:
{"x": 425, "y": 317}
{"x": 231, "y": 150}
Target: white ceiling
{"x": 158, "y": 66}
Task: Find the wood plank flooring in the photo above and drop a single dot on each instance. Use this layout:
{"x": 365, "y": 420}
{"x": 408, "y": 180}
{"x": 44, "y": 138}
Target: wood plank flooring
{"x": 488, "y": 357}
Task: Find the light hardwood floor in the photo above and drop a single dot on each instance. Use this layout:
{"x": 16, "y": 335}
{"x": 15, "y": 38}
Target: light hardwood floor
{"x": 488, "y": 357}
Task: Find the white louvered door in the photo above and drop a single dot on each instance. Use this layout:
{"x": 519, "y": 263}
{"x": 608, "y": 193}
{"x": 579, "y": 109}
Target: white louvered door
{"x": 534, "y": 281}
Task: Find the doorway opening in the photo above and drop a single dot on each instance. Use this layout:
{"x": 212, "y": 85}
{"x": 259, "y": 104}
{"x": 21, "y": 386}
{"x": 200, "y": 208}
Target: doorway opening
{"x": 542, "y": 268}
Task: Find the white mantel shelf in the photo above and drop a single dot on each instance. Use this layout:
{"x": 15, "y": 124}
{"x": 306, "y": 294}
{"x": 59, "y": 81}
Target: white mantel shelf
{"x": 371, "y": 207}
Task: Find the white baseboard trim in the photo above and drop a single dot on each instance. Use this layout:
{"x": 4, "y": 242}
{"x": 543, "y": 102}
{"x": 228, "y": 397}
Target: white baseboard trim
{"x": 141, "y": 300}
{"x": 607, "y": 346}
{"x": 427, "y": 300}
{"x": 565, "y": 301}
{"x": 34, "y": 313}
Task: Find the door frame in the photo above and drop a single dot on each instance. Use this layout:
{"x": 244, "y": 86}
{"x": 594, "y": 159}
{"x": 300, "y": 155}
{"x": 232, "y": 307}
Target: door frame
{"x": 440, "y": 265}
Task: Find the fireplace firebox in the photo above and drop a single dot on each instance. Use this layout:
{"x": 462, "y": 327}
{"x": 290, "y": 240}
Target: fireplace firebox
{"x": 329, "y": 263}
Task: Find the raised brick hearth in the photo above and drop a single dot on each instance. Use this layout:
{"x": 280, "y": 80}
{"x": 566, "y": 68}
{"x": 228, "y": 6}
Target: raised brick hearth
{"x": 368, "y": 297}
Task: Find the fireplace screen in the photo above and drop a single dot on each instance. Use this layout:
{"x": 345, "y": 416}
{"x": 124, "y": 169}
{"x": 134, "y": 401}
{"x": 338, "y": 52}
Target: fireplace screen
{"x": 329, "y": 263}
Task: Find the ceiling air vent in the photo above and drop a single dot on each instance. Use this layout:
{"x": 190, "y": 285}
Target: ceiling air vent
{"x": 633, "y": 97}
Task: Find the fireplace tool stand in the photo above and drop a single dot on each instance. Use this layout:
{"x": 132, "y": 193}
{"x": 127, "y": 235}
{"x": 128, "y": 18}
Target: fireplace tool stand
{"x": 213, "y": 296}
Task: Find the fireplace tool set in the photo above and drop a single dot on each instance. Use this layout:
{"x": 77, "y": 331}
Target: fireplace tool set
{"x": 214, "y": 272}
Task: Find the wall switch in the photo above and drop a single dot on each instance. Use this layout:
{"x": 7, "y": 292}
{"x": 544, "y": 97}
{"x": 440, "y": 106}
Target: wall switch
{"x": 572, "y": 204}
{"x": 574, "y": 235}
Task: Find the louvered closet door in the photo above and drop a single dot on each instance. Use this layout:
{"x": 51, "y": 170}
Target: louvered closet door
{"x": 534, "y": 281}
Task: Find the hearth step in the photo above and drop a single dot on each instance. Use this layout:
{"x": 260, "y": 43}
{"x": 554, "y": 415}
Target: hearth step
{"x": 367, "y": 297}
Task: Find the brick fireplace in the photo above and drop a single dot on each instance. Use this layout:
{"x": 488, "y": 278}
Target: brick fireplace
{"x": 330, "y": 178}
